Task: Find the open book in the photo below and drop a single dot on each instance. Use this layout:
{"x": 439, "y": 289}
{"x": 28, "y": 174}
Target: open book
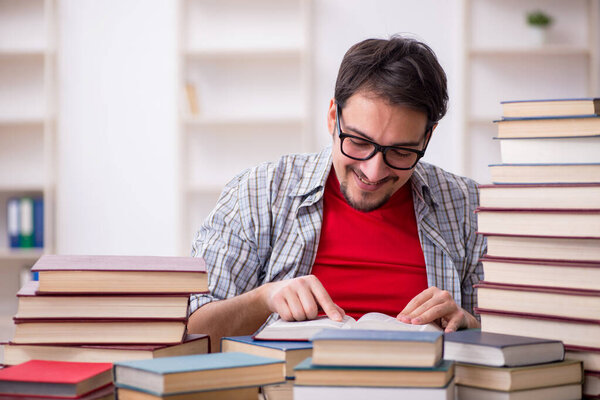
{"x": 304, "y": 330}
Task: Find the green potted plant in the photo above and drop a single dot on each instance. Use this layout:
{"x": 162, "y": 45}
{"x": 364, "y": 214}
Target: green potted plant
{"x": 539, "y": 22}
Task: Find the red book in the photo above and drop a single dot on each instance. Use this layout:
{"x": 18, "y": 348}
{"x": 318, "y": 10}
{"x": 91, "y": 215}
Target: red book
{"x": 120, "y": 274}
{"x": 54, "y": 378}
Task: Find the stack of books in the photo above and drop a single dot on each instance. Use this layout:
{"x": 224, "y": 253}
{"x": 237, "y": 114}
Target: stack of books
{"x": 107, "y": 308}
{"x": 39, "y": 380}
{"x": 541, "y": 217}
{"x": 362, "y": 364}
{"x": 217, "y": 376}
{"x": 497, "y": 366}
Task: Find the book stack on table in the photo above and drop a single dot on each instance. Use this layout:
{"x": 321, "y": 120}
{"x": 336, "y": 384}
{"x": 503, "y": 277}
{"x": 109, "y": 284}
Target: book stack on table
{"x": 541, "y": 218}
{"x": 363, "y": 364}
{"x": 107, "y": 308}
{"x": 496, "y": 366}
{"x": 217, "y": 376}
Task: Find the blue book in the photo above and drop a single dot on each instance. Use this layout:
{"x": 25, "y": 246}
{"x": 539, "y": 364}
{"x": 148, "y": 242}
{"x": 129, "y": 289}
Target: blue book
{"x": 196, "y": 373}
{"x": 38, "y": 222}
{"x": 357, "y": 347}
{"x": 310, "y": 374}
{"x": 13, "y": 222}
{"x": 292, "y": 352}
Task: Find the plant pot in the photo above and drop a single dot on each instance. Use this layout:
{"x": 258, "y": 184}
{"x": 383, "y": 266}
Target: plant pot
{"x": 538, "y": 35}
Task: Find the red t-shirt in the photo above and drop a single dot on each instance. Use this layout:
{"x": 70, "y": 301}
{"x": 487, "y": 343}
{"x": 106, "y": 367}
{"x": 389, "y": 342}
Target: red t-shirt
{"x": 370, "y": 261}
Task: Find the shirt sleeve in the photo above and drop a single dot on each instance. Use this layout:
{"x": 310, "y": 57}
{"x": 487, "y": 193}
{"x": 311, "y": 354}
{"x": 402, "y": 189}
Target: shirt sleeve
{"x": 227, "y": 246}
{"x": 476, "y": 246}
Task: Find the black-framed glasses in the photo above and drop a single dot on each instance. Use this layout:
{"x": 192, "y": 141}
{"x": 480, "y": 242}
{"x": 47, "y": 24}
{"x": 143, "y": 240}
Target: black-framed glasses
{"x": 361, "y": 149}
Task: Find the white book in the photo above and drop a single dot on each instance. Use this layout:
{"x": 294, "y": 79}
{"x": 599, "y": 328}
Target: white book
{"x": 379, "y": 393}
{"x": 565, "y": 392}
{"x": 550, "y": 150}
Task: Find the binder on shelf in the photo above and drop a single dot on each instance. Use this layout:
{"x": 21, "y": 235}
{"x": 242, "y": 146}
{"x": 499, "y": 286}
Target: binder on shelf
{"x": 13, "y": 224}
{"x": 38, "y": 222}
{"x": 26, "y": 220}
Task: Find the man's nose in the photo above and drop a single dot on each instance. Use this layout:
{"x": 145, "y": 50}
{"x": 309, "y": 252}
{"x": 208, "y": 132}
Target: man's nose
{"x": 375, "y": 169}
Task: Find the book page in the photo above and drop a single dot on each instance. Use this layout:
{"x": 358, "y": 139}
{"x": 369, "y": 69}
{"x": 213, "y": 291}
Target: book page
{"x": 379, "y": 321}
{"x": 301, "y": 330}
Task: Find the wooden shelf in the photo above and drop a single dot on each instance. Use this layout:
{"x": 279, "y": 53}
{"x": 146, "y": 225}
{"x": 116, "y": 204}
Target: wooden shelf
{"x": 21, "y": 254}
{"x": 13, "y": 121}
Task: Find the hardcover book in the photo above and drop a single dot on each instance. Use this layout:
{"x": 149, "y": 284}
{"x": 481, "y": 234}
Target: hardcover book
{"x": 292, "y": 352}
{"x": 588, "y": 356}
{"x": 583, "y": 223}
{"x": 546, "y": 273}
{"x": 550, "y": 107}
{"x": 558, "y": 196}
{"x": 560, "y": 150}
{"x": 309, "y": 374}
{"x": 563, "y": 392}
{"x": 544, "y": 248}
{"x": 249, "y": 393}
{"x": 67, "y": 306}
{"x": 556, "y": 301}
{"x": 519, "y": 378}
{"x": 304, "y": 330}
{"x": 549, "y": 126}
{"x": 179, "y": 375}
{"x": 110, "y": 353}
{"x": 571, "y": 331}
{"x": 379, "y": 393}
{"x": 120, "y": 274}
{"x": 54, "y": 378}
{"x": 357, "y": 347}
{"x": 496, "y": 350}
{"x": 545, "y": 173}
{"x": 104, "y": 393}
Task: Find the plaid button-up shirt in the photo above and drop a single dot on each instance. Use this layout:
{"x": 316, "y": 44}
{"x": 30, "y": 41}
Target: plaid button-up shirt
{"x": 267, "y": 223}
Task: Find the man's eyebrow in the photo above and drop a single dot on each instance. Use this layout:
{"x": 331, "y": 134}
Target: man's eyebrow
{"x": 359, "y": 132}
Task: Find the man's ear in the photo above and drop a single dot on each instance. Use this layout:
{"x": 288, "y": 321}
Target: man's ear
{"x": 331, "y": 117}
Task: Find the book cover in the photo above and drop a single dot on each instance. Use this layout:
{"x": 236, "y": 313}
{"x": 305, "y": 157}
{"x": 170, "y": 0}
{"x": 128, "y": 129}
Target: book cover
{"x": 56, "y": 378}
{"x": 551, "y": 107}
{"x": 494, "y": 349}
{"x": 529, "y": 173}
{"x": 539, "y": 196}
{"x": 203, "y": 372}
{"x": 549, "y": 126}
{"x": 51, "y": 262}
{"x": 376, "y": 335}
{"x": 104, "y": 393}
{"x": 308, "y": 373}
{"x": 543, "y": 248}
{"x": 562, "y": 392}
{"x": 379, "y": 393}
{"x": 545, "y": 150}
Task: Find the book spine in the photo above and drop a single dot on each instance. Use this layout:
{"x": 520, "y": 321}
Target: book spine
{"x": 38, "y": 223}
{"x": 13, "y": 225}
{"x": 26, "y": 219}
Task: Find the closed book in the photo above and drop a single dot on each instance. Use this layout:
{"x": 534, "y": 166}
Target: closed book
{"x": 546, "y": 273}
{"x": 304, "y": 330}
{"x": 591, "y": 385}
{"x": 104, "y": 393}
{"x": 18, "y": 353}
{"x": 562, "y": 392}
{"x": 588, "y": 356}
{"x": 292, "y": 352}
{"x": 120, "y": 274}
{"x": 379, "y": 393}
{"x": 248, "y": 393}
{"x": 544, "y": 173}
{"x": 549, "y": 126}
{"x": 557, "y": 301}
{"x": 54, "y": 378}
{"x": 560, "y": 150}
{"x": 544, "y": 248}
{"x": 129, "y": 306}
{"x": 13, "y": 222}
{"x": 175, "y": 375}
{"x": 496, "y": 350}
{"x": 26, "y": 222}
{"x": 583, "y": 223}
{"x": 98, "y": 331}
{"x": 519, "y": 378}
{"x": 310, "y": 374}
{"x": 357, "y": 347}
{"x": 559, "y": 196}
{"x": 571, "y": 331}
{"x": 38, "y": 222}
{"x": 550, "y": 107}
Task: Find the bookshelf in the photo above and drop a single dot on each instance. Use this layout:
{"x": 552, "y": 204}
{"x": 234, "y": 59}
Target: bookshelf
{"x": 27, "y": 126}
{"x": 502, "y": 61}
{"x": 247, "y": 64}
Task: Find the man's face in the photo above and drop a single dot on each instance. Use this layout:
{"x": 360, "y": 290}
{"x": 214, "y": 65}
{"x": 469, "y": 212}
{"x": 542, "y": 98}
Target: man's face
{"x": 368, "y": 184}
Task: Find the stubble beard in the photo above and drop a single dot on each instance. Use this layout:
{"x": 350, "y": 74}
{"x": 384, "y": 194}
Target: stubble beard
{"x": 364, "y": 203}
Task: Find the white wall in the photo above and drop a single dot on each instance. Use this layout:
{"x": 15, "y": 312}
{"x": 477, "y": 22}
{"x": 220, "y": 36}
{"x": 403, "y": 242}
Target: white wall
{"x": 117, "y": 127}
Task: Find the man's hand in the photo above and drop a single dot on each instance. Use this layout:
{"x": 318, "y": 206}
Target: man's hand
{"x": 299, "y": 299}
{"x": 434, "y": 304}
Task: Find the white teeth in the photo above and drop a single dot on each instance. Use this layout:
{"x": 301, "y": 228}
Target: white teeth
{"x": 366, "y": 182}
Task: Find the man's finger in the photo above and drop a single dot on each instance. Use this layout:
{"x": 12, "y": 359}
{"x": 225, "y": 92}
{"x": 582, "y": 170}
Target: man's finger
{"x": 331, "y": 309}
{"x": 417, "y": 301}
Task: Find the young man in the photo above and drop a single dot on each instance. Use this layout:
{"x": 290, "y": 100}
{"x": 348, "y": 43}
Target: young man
{"x": 362, "y": 226}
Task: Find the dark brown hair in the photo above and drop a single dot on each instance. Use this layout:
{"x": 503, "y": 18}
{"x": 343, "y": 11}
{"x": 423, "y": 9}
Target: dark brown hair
{"x": 401, "y": 70}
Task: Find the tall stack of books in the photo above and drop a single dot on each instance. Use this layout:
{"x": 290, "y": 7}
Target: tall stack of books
{"x": 107, "y": 308}
{"x": 495, "y": 366}
{"x": 541, "y": 218}
{"x": 363, "y": 364}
